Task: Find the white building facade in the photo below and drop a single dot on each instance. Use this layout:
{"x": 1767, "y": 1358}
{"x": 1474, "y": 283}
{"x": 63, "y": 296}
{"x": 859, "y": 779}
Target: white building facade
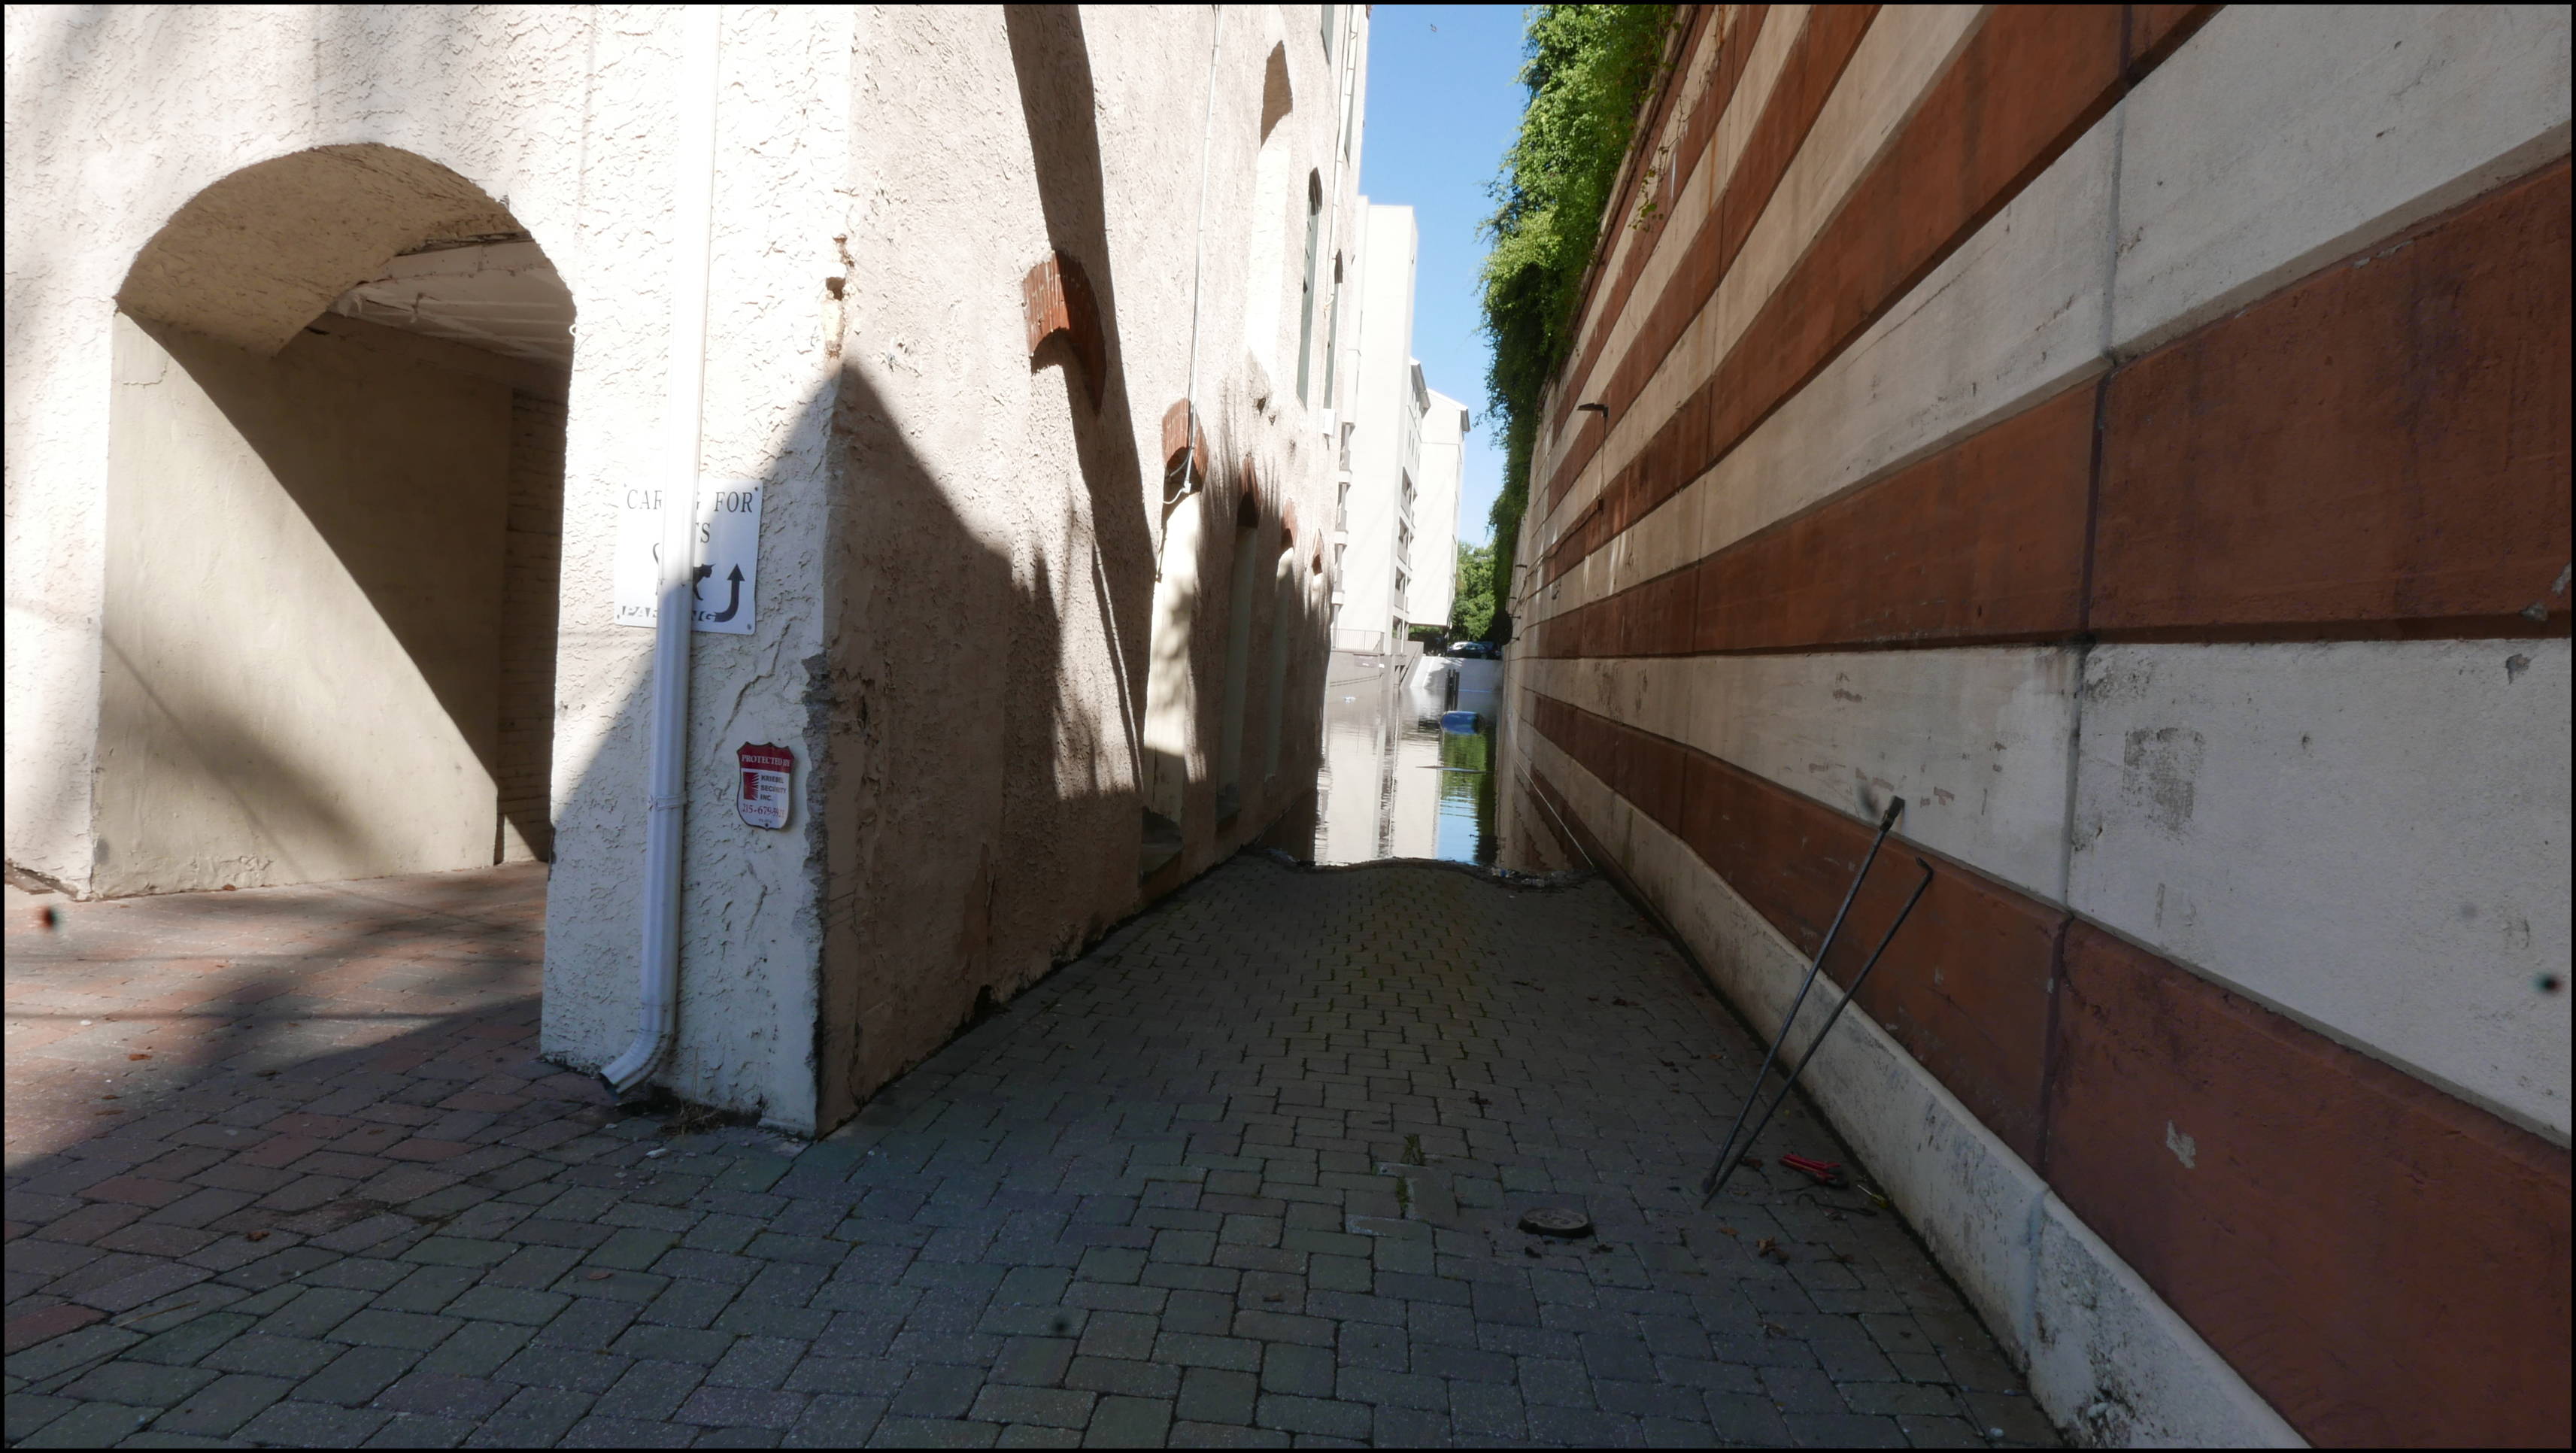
{"x": 1433, "y": 547}
{"x": 1381, "y": 444}
{"x": 1395, "y": 518}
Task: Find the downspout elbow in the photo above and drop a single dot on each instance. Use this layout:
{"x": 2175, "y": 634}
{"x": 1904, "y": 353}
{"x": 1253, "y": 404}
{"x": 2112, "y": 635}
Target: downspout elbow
{"x": 658, "y": 1015}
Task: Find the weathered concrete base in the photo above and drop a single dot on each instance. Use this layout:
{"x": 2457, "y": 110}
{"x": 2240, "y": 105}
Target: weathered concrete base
{"x": 2108, "y": 1361}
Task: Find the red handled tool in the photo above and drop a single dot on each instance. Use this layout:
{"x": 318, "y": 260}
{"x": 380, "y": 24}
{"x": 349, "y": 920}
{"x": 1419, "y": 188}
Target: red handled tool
{"x": 1823, "y": 1173}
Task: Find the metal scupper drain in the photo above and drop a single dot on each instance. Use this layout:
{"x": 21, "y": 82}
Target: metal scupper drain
{"x": 1556, "y": 1221}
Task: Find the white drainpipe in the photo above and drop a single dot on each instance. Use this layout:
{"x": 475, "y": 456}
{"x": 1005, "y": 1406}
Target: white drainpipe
{"x": 1198, "y": 269}
{"x": 693, "y": 218}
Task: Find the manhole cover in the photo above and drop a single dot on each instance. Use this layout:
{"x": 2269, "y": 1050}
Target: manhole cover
{"x": 1556, "y": 1221}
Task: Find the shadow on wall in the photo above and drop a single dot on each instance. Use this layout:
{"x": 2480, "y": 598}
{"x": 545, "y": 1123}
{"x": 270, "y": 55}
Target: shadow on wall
{"x": 981, "y": 825}
{"x": 1053, "y": 65}
{"x": 375, "y": 471}
{"x": 980, "y": 810}
{"x": 973, "y": 810}
{"x": 309, "y": 549}
{"x": 1051, "y": 61}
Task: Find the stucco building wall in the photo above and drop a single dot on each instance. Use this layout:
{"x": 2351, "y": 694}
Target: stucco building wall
{"x": 1012, "y": 559}
{"x": 2138, "y": 439}
{"x": 531, "y": 592}
{"x": 557, "y": 121}
{"x": 960, "y": 539}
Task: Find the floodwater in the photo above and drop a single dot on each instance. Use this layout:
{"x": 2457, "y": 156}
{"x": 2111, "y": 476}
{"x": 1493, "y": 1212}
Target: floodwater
{"x": 1394, "y": 783}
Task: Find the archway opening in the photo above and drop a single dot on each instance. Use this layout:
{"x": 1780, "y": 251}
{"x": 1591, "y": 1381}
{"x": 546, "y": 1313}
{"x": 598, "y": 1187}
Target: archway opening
{"x": 334, "y": 532}
{"x": 1265, "y": 269}
{"x": 1171, "y": 692}
{"x": 1287, "y": 627}
{"x": 1246, "y": 561}
{"x": 1306, "y": 294}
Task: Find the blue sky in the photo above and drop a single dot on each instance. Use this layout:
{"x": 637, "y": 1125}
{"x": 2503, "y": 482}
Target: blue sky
{"x": 1444, "y": 100}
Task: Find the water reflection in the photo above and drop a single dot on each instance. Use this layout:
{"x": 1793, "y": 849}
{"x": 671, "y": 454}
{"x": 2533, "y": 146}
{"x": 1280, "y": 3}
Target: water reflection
{"x": 1394, "y": 783}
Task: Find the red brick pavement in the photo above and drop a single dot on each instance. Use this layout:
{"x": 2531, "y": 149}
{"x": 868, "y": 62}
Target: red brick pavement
{"x": 203, "y": 1080}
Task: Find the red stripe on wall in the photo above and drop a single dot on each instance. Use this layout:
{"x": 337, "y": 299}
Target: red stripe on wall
{"x": 1807, "y": 78}
{"x": 2384, "y": 1263}
{"x": 1574, "y": 843}
{"x": 2022, "y": 90}
{"x": 2387, "y": 441}
{"x": 2381, "y": 449}
{"x": 1982, "y": 542}
{"x": 2157, "y": 31}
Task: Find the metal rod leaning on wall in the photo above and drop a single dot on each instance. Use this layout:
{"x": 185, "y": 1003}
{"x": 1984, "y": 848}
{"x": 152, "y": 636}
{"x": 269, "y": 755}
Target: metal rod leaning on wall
{"x": 1886, "y": 822}
{"x": 1731, "y": 1156}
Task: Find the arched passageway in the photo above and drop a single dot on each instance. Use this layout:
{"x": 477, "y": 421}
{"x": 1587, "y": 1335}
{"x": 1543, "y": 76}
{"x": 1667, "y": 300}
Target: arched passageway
{"x": 334, "y": 527}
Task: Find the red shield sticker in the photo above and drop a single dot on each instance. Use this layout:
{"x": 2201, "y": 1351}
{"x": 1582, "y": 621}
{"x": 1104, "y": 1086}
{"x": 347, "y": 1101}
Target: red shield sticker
{"x": 767, "y": 773}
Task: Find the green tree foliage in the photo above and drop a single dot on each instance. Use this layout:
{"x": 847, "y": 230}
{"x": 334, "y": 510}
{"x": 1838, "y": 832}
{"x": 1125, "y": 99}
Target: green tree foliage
{"x": 1589, "y": 73}
{"x": 1471, "y": 605}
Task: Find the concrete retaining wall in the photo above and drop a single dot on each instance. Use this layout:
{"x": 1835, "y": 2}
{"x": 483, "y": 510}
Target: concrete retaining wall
{"x": 2158, "y": 482}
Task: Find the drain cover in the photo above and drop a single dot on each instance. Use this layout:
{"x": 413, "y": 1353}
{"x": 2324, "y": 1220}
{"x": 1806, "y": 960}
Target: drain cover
{"x": 1556, "y": 1221}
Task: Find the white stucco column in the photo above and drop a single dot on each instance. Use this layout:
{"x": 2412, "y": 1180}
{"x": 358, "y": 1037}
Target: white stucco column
{"x": 750, "y": 915}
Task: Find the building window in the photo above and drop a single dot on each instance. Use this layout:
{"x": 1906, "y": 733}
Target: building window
{"x": 1273, "y": 173}
{"x": 1285, "y": 627}
{"x": 1332, "y": 330}
{"x": 1328, "y": 34}
{"x": 1306, "y": 302}
{"x": 1238, "y": 654}
{"x": 1350, "y": 111}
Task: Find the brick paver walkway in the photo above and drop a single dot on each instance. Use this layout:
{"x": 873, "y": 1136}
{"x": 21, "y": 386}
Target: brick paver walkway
{"x": 1246, "y": 1175}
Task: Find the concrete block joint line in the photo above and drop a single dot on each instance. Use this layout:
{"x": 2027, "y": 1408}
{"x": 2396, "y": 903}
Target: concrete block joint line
{"x": 1249, "y": 1173}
